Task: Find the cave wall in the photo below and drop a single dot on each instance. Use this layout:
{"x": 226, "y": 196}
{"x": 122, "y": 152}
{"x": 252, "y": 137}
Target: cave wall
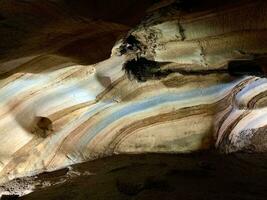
{"x": 60, "y": 105}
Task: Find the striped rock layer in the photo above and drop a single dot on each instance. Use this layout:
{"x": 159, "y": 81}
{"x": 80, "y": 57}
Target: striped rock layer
{"x": 55, "y": 112}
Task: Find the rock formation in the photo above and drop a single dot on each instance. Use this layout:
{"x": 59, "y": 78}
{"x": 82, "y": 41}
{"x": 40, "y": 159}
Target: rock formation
{"x": 165, "y": 87}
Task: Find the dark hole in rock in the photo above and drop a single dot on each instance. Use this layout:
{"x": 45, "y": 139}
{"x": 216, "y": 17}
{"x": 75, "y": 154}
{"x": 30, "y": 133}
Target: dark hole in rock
{"x": 43, "y": 126}
{"x": 131, "y": 43}
{"x": 143, "y": 69}
{"x": 245, "y": 67}
{"x": 44, "y": 123}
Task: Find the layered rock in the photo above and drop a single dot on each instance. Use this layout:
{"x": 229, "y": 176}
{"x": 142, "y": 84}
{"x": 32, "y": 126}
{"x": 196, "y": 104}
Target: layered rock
{"x": 56, "y": 111}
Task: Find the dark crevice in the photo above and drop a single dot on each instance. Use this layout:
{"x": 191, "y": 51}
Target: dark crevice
{"x": 202, "y": 54}
{"x": 199, "y": 72}
{"x": 130, "y": 44}
{"x": 245, "y": 67}
{"x": 181, "y": 31}
{"x": 142, "y": 69}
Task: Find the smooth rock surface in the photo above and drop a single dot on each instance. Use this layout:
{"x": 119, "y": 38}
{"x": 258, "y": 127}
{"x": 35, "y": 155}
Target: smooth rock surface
{"x": 56, "y": 110}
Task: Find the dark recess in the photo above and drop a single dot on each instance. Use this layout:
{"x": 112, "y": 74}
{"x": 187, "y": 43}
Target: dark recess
{"x": 142, "y": 69}
{"x": 245, "y": 67}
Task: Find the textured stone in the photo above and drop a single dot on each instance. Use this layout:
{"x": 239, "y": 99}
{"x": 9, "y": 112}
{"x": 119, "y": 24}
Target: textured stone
{"x": 56, "y": 111}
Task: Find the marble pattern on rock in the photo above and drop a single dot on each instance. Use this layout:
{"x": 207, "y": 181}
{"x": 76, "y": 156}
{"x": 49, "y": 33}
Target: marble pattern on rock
{"x": 55, "y": 113}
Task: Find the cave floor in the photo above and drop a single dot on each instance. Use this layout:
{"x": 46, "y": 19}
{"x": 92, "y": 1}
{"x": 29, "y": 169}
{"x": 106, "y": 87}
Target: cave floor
{"x": 205, "y": 175}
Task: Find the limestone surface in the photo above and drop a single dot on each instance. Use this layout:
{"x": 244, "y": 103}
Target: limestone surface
{"x": 59, "y": 109}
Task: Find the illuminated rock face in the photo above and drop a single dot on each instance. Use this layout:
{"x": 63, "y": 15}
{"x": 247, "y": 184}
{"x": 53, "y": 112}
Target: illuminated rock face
{"x": 55, "y": 113}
